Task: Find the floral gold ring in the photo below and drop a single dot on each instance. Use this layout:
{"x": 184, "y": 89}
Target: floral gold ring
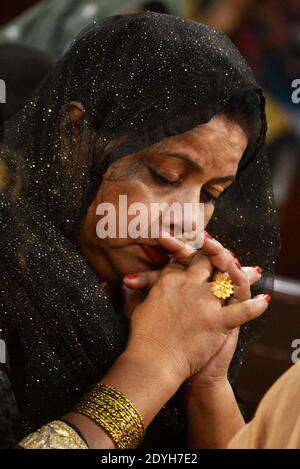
{"x": 222, "y": 287}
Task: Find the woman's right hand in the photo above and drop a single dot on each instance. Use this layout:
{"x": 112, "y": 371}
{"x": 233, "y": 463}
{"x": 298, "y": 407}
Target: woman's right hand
{"x": 181, "y": 323}
{"x": 221, "y": 258}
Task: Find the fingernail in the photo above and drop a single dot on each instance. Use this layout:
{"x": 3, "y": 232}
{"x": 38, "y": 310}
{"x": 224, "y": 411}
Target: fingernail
{"x": 267, "y": 298}
{"x": 208, "y": 235}
{"x": 237, "y": 263}
{"x": 258, "y": 269}
{"x": 131, "y": 276}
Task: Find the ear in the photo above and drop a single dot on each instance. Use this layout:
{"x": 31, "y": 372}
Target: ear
{"x": 72, "y": 117}
{"x": 76, "y": 133}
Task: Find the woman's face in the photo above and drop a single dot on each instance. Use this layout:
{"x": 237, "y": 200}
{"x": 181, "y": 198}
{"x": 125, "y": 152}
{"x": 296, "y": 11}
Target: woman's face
{"x": 195, "y": 166}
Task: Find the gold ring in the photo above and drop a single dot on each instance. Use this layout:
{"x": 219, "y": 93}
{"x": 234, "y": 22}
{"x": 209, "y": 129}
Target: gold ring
{"x": 222, "y": 287}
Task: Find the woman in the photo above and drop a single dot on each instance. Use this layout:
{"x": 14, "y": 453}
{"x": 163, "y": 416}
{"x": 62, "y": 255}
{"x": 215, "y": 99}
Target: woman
{"x": 127, "y": 84}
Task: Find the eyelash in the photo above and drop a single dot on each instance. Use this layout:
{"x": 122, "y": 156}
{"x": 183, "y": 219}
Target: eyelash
{"x": 165, "y": 182}
{"x": 210, "y": 197}
{"x": 161, "y": 179}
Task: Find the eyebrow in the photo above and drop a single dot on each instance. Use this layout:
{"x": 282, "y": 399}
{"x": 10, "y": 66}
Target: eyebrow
{"x": 193, "y": 164}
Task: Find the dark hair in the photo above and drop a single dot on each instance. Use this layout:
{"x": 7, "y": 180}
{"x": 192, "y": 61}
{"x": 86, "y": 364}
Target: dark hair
{"x": 245, "y": 110}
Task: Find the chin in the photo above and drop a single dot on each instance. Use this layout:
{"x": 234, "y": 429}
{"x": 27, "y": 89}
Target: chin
{"x": 133, "y": 266}
{"x": 127, "y": 260}
{"x": 123, "y": 263}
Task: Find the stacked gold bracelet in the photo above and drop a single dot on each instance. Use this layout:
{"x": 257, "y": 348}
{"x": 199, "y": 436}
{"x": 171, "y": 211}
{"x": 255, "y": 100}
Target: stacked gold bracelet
{"x": 115, "y": 414}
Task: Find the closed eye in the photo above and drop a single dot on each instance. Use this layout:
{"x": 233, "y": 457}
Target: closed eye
{"x": 162, "y": 180}
{"x": 209, "y": 196}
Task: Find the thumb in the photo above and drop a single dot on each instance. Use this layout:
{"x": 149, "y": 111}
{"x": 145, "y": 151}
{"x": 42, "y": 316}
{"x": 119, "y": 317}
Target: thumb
{"x": 132, "y": 298}
{"x": 236, "y": 314}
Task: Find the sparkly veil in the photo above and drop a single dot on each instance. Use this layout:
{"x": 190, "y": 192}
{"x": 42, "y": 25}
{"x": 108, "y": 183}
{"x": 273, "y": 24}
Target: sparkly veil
{"x": 145, "y": 76}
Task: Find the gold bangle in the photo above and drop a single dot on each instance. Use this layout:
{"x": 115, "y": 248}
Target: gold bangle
{"x": 54, "y": 435}
{"x": 111, "y": 410}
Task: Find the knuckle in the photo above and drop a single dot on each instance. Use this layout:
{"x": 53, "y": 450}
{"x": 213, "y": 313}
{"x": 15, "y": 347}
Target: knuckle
{"x": 169, "y": 276}
{"x": 245, "y": 280}
{"x": 154, "y": 276}
{"x": 184, "y": 259}
{"x": 249, "y": 311}
{"x": 223, "y": 262}
{"x": 244, "y": 292}
{"x": 202, "y": 263}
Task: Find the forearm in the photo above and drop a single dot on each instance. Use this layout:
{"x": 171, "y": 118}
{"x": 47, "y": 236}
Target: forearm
{"x": 147, "y": 382}
{"x": 213, "y": 416}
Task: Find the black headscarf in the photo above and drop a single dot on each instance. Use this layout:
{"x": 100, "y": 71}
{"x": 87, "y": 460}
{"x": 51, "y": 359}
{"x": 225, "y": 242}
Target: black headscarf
{"x": 146, "y": 76}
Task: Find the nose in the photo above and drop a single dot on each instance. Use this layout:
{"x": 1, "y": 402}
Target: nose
{"x": 188, "y": 222}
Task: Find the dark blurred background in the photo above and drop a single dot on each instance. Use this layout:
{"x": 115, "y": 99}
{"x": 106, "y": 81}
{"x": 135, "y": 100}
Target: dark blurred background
{"x": 267, "y": 32}
{"x": 10, "y": 10}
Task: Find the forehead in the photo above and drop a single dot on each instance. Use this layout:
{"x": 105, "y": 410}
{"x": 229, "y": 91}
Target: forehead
{"x": 219, "y": 141}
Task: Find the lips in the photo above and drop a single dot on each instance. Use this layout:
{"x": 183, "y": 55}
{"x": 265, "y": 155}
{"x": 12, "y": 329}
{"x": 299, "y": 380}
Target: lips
{"x": 155, "y": 254}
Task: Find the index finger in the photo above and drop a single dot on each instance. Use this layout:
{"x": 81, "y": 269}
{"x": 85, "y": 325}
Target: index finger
{"x": 181, "y": 251}
{"x": 220, "y": 256}
{"x": 201, "y": 267}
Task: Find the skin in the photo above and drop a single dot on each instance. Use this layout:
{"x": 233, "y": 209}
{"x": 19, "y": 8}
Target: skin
{"x": 196, "y": 337}
{"x": 193, "y": 329}
{"x": 216, "y": 147}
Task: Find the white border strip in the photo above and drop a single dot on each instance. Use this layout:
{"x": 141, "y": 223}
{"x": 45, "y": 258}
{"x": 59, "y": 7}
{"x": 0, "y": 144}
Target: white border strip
{"x": 287, "y": 286}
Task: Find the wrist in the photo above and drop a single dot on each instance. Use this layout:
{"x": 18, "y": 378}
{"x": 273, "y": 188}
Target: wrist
{"x": 206, "y": 409}
{"x": 205, "y": 392}
{"x": 148, "y": 363}
{"x": 145, "y": 380}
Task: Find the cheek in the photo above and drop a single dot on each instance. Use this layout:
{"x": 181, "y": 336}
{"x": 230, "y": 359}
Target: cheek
{"x": 208, "y": 213}
{"x": 142, "y": 190}
{"x": 134, "y": 193}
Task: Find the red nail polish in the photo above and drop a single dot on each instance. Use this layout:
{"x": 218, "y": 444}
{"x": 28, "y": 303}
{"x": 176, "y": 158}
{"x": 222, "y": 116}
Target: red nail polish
{"x": 258, "y": 269}
{"x": 208, "y": 235}
{"x": 267, "y": 298}
{"x": 237, "y": 263}
{"x": 131, "y": 276}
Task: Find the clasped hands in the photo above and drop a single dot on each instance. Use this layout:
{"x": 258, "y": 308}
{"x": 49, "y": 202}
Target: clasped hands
{"x": 181, "y": 321}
